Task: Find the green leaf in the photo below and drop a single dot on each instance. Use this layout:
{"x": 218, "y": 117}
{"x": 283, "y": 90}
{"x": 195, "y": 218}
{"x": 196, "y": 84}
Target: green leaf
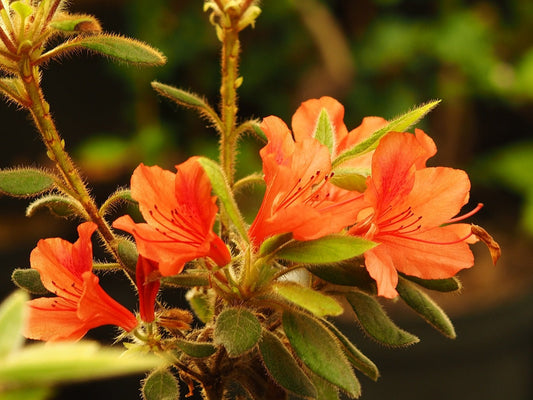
{"x": 324, "y": 389}
{"x": 354, "y": 355}
{"x": 425, "y": 307}
{"x": 376, "y": 322}
{"x": 121, "y": 196}
{"x": 440, "y": 285}
{"x": 399, "y": 124}
{"x": 326, "y": 250}
{"x": 202, "y": 302}
{"x": 283, "y": 368}
{"x": 195, "y": 349}
{"x": 29, "y": 279}
{"x": 320, "y": 351}
{"x": 51, "y": 363}
{"x": 238, "y": 330}
{"x": 38, "y": 393}
{"x": 259, "y": 132}
{"x": 324, "y": 131}
{"x": 317, "y": 303}
{"x": 161, "y": 384}
{"x": 128, "y": 254}
{"x": 180, "y": 96}
{"x": 11, "y": 323}
{"x": 121, "y": 48}
{"x": 350, "y": 178}
{"x": 270, "y": 245}
{"x": 23, "y": 9}
{"x": 223, "y": 191}
{"x": 349, "y": 273}
{"x": 25, "y": 182}
{"x": 57, "y": 205}
{"x": 76, "y": 23}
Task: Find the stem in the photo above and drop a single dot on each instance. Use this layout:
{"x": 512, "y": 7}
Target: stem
{"x": 40, "y": 111}
{"x": 228, "y": 91}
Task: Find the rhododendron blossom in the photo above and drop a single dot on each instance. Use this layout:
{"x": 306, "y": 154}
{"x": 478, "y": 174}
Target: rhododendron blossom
{"x": 179, "y": 212}
{"x": 410, "y": 214}
{"x": 80, "y": 303}
{"x": 299, "y": 198}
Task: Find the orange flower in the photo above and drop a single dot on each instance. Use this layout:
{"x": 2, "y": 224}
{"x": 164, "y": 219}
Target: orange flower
{"x": 147, "y": 286}
{"x": 80, "y": 303}
{"x": 410, "y": 214}
{"x": 179, "y": 212}
{"x": 305, "y": 121}
{"x": 299, "y": 198}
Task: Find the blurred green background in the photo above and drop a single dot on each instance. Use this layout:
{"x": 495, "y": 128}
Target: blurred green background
{"x": 378, "y": 57}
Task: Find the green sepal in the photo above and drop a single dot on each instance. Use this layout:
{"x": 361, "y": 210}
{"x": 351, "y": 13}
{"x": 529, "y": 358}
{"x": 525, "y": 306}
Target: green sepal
{"x": 238, "y": 330}
{"x": 74, "y": 23}
{"x": 202, "y": 303}
{"x": 223, "y": 191}
{"x": 120, "y": 48}
{"x": 29, "y": 280}
{"x": 399, "y": 124}
{"x": 325, "y": 250}
{"x": 353, "y": 354}
{"x": 439, "y": 285}
{"x": 375, "y": 321}
{"x": 425, "y": 307}
{"x": 320, "y": 351}
{"x": 58, "y": 205}
{"x": 195, "y": 349}
{"x": 270, "y": 245}
{"x": 283, "y": 368}
{"x": 350, "y": 178}
{"x": 46, "y": 364}
{"x": 11, "y": 323}
{"x": 186, "y": 279}
{"x": 317, "y": 303}
{"x": 348, "y": 273}
{"x": 324, "y": 131}
{"x": 160, "y": 384}
{"x": 128, "y": 254}
{"x": 25, "y": 182}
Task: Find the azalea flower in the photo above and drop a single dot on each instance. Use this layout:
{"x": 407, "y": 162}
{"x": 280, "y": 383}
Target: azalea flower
{"x": 147, "y": 286}
{"x": 80, "y": 303}
{"x": 410, "y": 214}
{"x": 305, "y": 122}
{"x": 299, "y": 198}
{"x": 179, "y": 212}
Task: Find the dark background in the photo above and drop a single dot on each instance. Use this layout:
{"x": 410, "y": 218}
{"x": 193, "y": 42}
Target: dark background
{"x": 377, "y": 58}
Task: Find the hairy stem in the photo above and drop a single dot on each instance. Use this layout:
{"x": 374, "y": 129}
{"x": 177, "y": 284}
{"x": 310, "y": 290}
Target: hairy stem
{"x": 40, "y": 111}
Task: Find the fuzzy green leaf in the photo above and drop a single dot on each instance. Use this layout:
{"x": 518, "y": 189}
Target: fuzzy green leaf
{"x": 51, "y": 363}
{"x": 25, "y": 182}
{"x": 128, "y": 254}
{"x": 349, "y": 273}
{"x": 186, "y": 279}
{"x": 320, "y": 351}
{"x": 161, "y": 384}
{"x": 324, "y": 131}
{"x": 223, "y": 191}
{"x": 270, "y": 245}
{"x": 283, "y": 368}
{"x": 238, "y": 330}
{"x": 354, "y": 355}
{"x": 76, "y": 23}
{"x": 326, "y": 250}
{"x": 57, "y": 205}
{"x": 425, "y": 307}
{"x": 350, "y": 178}
{"x": 180, "y": 96}
{"x": 440, "y": 285}
{"x": 29, "y": 279}
{"x": 376, "y": 322}
{"x": 317, "y": 303}
{"x": 399, "y": 124}
{"x": 121, "y": 48}
{"x": 11, "y": 322}
{"x": 202, "y": 303}
{"x": 195, "y": 349}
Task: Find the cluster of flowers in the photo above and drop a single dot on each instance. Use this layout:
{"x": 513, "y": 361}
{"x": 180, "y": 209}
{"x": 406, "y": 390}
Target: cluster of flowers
{"x": 408, "y": 209}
